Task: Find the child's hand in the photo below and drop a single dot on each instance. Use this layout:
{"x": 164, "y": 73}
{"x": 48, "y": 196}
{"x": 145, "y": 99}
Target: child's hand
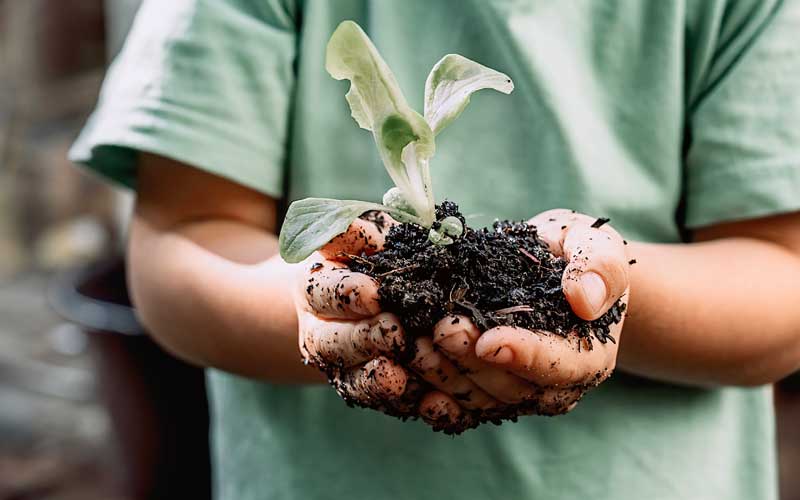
{"x": 342, "y": 329}
{"x": 538, "y": 372}
{"x": 343, "y": 332}
{"x": 504, "y": 371}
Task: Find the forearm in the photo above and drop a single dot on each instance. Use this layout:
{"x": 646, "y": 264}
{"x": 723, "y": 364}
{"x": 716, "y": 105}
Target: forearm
{"x": 216, "y": 294}
{"x": 717, "y": 312}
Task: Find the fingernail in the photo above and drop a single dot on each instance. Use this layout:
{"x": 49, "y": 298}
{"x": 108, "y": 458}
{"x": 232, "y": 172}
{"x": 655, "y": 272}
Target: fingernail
{"x": 594, "y": 289}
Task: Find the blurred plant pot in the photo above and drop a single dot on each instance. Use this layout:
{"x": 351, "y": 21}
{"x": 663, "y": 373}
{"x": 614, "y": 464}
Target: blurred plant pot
{"x": 157, "y": 402}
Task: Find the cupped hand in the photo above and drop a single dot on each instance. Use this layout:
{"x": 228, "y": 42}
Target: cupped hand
{"x": 476, "y": 376}
{"x": 364, "y": 352}
{"x": 529, "y": 371}
{"x": 341, "y": 328}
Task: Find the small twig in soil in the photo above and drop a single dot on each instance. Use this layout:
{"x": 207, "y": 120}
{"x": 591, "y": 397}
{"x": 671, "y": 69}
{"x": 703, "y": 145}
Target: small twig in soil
{"x": 357, "y": 258}
{"x": 457, "y": 294}
{"x": 529, "y": 255}
{"x": 513, "y": 309}
{"x": 476, "y": 313}
{"x": 398, "y": 270}
{"x": 534, "y": 259}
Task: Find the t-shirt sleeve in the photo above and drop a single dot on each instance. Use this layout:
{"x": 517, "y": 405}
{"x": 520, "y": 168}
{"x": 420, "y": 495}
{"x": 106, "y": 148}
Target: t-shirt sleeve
{"x": 204, "y": 82}
{"x": 743, "y": 155}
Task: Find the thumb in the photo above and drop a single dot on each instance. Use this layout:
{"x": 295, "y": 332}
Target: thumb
{"x": 596, "y": 275}
{"x": 365, "y": 235}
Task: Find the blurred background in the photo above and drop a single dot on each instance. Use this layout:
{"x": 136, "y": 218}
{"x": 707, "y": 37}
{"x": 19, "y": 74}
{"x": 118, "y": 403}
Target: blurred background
{"x": 90, "y": 408}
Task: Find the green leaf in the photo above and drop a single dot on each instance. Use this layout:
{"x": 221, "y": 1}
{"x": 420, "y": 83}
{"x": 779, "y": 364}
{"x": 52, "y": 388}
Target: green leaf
{"x": 437, "y": 238}
{"x": 394, "y": 198}
{"x": 313, "y": 222}
{"x": 404, "y": 139}
{"x": 449, "y": 86}
{"x": 451, "y": 226}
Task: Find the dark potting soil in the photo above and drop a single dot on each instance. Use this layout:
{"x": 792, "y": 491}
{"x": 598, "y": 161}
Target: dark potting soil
{"x": 502, "y": 275}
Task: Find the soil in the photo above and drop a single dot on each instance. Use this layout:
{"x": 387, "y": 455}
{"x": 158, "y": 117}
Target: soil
{"x": 503, "y": 275}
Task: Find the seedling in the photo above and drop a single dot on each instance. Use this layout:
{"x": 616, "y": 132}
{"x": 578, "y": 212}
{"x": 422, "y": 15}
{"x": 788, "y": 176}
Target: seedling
{"x": 432, "y": 265}
{"x": 405, "y": 140}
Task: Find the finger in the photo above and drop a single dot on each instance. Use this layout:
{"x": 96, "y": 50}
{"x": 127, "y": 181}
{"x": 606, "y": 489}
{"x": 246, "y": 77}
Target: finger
{"x": 443, "y": 413}
{"x": 438, "y": 371}
{"x": 378, "y": 383}
{"x": 545, "y": 358}
{"x": 456, "y": 336}
{"x": 331, "y": 291}
{"x": 438, "y": 407}
{"x": 404, "y": 406}
{"x": 349, "y": 343}
{"x": 597, "y": 271}
{"x": 551, "y": 402}
{"x": 407, "y": 405}
{"x": 363, "y": 236}
{"x": 559, "y": 401}
{"x": 552, "y": 226}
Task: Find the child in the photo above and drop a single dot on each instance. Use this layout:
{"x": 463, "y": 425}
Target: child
{"x": 678, "y": 120}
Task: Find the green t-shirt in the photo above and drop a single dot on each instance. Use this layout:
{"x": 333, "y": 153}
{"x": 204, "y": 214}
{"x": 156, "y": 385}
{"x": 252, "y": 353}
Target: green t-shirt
{"x": 662, "y": 115}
